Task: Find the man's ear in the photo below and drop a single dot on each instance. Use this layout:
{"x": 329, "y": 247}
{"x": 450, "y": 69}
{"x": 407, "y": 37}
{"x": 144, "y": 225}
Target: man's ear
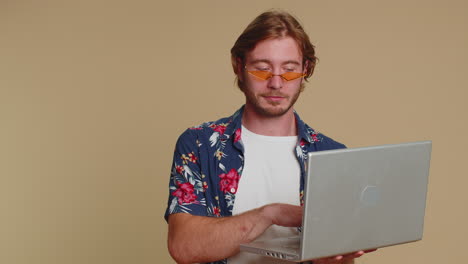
{"x": 305, "y": 67}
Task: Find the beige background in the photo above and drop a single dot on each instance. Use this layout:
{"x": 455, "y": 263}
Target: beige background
{"x": 93, "y": 95}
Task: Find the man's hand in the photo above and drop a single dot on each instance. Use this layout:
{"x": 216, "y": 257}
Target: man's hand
{"x": 284, "y": 214}
{"x": 342, "y": 259}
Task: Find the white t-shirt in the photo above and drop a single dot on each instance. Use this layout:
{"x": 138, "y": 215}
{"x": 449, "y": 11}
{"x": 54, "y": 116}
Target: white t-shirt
{"x": 271, "y": 174}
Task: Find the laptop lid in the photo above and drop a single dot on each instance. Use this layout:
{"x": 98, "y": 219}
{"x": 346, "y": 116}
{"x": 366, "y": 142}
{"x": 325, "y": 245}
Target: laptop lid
{"x": 364, "y": 198}
{"x": 358, "y": 199}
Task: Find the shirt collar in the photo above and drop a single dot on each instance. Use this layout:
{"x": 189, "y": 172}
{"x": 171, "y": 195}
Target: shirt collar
{"x": 303, "y": 130}
{"x": 235, "y": 123}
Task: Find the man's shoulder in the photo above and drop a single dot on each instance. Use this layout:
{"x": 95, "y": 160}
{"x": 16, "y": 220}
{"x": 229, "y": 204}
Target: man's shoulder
{"x": 322, "y": 141}
{"x": 329, "y": 143}
{"x": 209, "y": 126}
{"x": 206, "y": 129}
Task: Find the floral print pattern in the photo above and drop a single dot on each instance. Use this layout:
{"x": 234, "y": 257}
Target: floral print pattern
{"x": 229, "y": 181}
{"x": 184, "y": 193}
{"x": 208, "y": 162}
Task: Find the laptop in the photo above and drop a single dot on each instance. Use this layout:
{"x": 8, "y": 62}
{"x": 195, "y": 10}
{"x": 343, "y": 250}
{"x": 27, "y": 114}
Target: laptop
{"x": 357, "y": 199}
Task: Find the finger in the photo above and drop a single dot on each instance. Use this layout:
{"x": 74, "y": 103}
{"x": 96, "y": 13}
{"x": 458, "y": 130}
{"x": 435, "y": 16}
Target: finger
{"x": 329, "y": 260}
{"x": 370, "y": 250}
{"x": 354, "y": 254}
{"x": 351, "y": 256}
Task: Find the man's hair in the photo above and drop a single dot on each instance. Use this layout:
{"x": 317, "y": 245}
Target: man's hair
{"x": 270, "y": 25}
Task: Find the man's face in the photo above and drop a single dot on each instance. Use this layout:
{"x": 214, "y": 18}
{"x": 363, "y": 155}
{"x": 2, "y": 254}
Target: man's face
{"x": 275, "y": 96}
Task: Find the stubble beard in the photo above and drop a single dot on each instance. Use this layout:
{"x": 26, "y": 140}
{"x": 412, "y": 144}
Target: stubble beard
{"x": 272, "y": 109}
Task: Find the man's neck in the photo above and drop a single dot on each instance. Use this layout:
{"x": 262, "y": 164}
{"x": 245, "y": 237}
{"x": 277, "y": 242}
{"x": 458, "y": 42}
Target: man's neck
{"x": 284, "y": 125}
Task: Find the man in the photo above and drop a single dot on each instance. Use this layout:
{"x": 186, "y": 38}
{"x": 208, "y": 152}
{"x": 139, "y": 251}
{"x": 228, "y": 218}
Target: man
{"x": 242, "y": 177}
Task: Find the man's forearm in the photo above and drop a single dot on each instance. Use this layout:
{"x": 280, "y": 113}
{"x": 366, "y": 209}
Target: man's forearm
{"x": 204, "y": 239}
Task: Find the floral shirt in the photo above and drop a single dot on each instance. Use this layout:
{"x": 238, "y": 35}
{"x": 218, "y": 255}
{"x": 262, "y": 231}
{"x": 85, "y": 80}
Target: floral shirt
{"x": 208, "y": 163}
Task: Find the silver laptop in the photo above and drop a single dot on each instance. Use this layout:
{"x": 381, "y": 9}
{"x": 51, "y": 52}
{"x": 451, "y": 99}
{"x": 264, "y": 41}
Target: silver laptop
{"x": 357, "y": 199}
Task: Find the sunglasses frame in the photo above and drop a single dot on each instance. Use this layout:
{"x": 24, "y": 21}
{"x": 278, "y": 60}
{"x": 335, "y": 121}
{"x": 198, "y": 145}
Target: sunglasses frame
{"x": 266, "y": 75}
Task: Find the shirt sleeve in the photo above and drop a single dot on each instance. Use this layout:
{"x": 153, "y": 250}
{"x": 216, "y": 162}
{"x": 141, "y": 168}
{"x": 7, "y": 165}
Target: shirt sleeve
{"x": 186, "y": 192}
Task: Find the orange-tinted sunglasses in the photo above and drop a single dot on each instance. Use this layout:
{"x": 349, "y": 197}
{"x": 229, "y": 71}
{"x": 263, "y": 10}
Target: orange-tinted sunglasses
{"x": 287, "y": 76}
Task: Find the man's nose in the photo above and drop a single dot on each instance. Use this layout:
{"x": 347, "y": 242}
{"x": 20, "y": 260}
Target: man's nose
{"x": 275, "y": 82}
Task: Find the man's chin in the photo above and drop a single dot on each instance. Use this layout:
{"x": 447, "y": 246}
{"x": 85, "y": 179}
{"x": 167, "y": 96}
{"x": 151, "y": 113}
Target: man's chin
{"x": 273, "y": 111}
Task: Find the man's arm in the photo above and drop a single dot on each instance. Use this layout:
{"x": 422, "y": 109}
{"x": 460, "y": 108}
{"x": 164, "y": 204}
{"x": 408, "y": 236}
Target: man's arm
{"x": 203, "y": 239}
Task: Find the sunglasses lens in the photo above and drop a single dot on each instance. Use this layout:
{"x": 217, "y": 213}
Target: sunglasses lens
{"x": 263, "y": 75}
{"x": 289, "y": 76}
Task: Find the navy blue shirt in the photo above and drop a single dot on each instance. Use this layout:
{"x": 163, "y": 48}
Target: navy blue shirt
{"x": 208, "y": 163}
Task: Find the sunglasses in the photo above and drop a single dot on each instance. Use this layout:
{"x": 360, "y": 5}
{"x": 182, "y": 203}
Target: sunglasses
{"x": 266, "y": 75}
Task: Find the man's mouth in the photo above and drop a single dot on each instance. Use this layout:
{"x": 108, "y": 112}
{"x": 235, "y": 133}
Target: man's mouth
{"x": 274, "y": 97}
